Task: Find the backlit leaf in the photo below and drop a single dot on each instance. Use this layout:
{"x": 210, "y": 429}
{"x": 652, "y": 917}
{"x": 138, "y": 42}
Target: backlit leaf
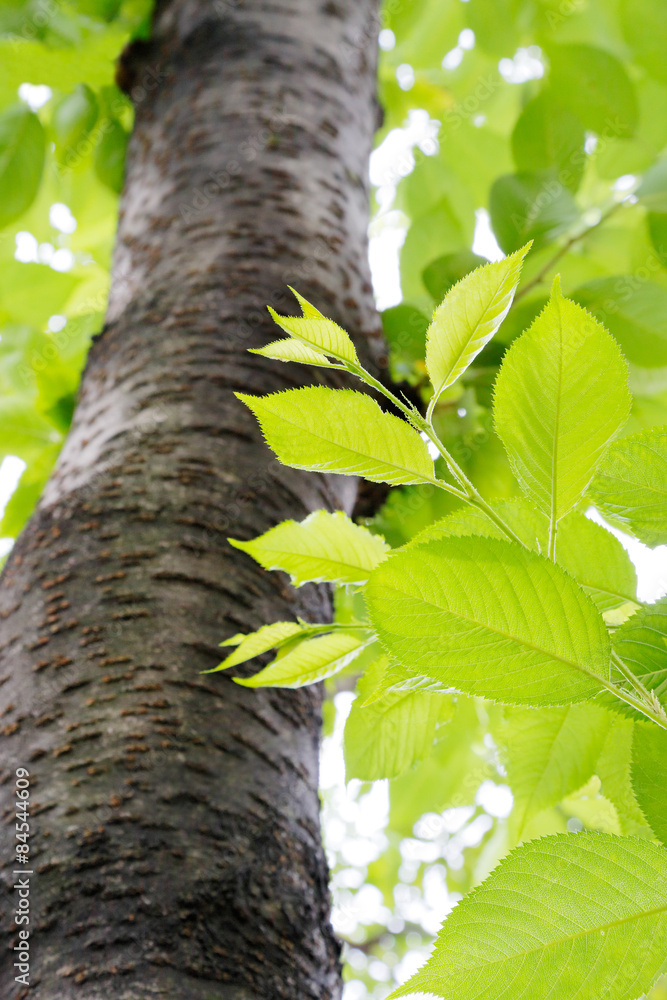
{"x": 649, "y": 774}
{"x": 317, "y": 332}
{"x": 324, "y": 547}
{"x": 641, "y": 642}
{"x": 468, "y": 317}
{"x": 547, "y": 136}
{"x": 490, "y": 618}
{"x": 561, "y": 397}
{"x": 255, "y": 643}
{"x": 550, "y": 753}
{"x": 631, "y": 485}
{"x": 330, "y": 430}
{"x": 311, "y": 661}
{"x": 386, "y": 737}
{"x": 530, "y": 206}
{"x": 634, "y": 313}
{"x": 582, "y": 916}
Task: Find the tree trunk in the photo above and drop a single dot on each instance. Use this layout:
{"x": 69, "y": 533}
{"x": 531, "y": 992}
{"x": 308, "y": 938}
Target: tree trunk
{"x": 175, "y": 838}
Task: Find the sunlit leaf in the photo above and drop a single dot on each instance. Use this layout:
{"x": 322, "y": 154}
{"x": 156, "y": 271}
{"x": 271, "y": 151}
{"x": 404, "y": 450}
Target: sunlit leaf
{"x": 490, "y": 618}
{"x": 631, "y": 485}
{"x": 329, "y": 430}
{"x": 311, "y": 661}
{"x": 324, "y": 547}
{"x": 583, "y": 915}
{"x": 561, "y": 397}
{"x": 468, "y": 317}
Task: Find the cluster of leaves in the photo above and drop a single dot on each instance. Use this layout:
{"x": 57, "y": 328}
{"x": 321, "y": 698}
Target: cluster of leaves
{"x": 551, "y": 116}
{"x": 64, "y": 127}
{"x": 570, "y": 157}
{"x": 525, "y": 603}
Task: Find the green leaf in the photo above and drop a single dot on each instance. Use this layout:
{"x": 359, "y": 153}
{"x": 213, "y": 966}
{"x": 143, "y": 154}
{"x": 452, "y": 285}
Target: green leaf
{"x": 255, "y": 643}
{"x": 339, "y": 430}
{"x": 547, "y": 136}
{"x": 324, "y": 547}
{"x": 645, "y": 29}
{"x": 597, "y": 560}
{"x": 24, "y": 432}
{"x": 582, "y": 916}
{"x": 444, "y": 272}
{"x": 614, "y": 771}
{"x": 317, "y": 332}
{"x": 631, "y": 485}
{"x": 649, "y": 775}
{"x": 405, "y": 331}
{"x": 561, "y": 397}
{"x": 73, "y": 118}
{"x": 110, "y": 155}
{"x": 530, "y": 206}
{"x": 641, "y": 642}
{"x": 589, "y": 553}
{"x": 468, "y": 317}
{"x": 22, "y": 151}
{"x": 652, "y": 191}
{"x": 549, "y": 753}
{"x": 633, "y": 313}
{"x": 490, "y": 618}
{"x": 311, "y": 661}
{"x": 436, "y": 232}
{"x": 593, "y": 84}
{"x": 386, "y": 737}
{"x": 292, "y": 350}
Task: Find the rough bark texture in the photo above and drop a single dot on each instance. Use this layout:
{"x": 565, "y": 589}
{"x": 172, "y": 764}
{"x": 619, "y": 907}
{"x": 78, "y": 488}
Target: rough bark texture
{"x": 174, "y": 817}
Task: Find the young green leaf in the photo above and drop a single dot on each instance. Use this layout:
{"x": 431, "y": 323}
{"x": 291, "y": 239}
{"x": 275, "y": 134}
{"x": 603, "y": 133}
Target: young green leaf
{"x": 324, "y": 547}
{"x": 468, "y": 317}
{"x": 641, "y": 642}
{"x": 317, "y": 332}
{"x": 311, "y": 661}
{"x": 292, "y": 350}
{"x": 631, "y": 485}
{"x": 561, "y": 397}
{"x": 582, "y": 916}
{"x": 492, "y": 619}
{"x": 549, "y": 753}
{"x": 386, "y": 737}
{"x": 267, "y": 637}
{"x": 339, "y": 430}
{"x": 649, "y": 775}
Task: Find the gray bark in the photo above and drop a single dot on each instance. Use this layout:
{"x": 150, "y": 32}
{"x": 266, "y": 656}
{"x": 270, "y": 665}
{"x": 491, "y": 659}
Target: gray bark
{"x": 174, "y": 817}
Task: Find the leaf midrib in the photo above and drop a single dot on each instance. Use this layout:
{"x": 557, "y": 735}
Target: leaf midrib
{"x": 505, "y": 635}
{"x": 280, "y": 553}
{"x": 466, "y": 346}
{"x": 569, "y": 937}
{"x": 345, "y": 447}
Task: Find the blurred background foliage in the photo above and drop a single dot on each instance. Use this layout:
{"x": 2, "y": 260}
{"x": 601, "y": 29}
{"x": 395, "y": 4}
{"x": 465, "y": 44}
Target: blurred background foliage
{"x": 504, "y": 120}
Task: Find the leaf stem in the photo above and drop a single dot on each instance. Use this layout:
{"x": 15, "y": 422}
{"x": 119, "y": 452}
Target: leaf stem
{"x": 468, "y": 492}
{"x": 623, "y": 668}
{"x": 551, "y": 545}
{"x": 542, "y": 273}
{"x": 638, "y": 703}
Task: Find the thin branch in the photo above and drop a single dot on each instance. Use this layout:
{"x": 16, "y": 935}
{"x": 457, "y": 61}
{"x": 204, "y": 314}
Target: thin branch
{"x": 542, "y": 273}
